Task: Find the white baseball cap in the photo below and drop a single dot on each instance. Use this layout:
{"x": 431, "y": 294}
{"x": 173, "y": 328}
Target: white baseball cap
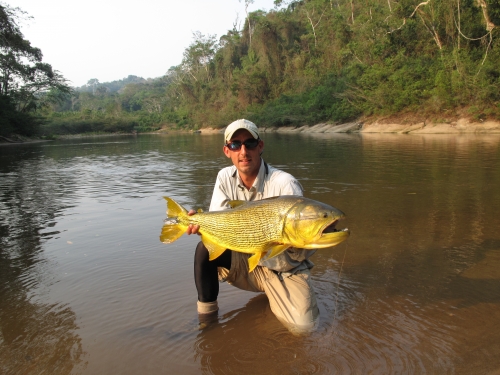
{"x": 241, "y": 124}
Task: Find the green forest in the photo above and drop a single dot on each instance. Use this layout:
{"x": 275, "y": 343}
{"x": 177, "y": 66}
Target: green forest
{"x": 303, "y": 63}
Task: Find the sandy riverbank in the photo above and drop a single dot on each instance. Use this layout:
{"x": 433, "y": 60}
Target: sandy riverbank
{"x": 462, "y": 126}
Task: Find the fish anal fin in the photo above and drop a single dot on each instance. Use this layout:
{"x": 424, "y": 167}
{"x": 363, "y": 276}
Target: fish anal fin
{"x": 253, "y": 261}
{"x": 214, "y": 249}
{"x": 276, "y": 250}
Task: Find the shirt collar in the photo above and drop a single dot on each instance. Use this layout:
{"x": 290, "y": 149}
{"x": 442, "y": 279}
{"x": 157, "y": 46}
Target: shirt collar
{"x": 259, "y": 181}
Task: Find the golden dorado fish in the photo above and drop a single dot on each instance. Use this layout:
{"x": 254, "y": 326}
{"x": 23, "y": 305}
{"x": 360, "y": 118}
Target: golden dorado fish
{"x": 268, "y": 226}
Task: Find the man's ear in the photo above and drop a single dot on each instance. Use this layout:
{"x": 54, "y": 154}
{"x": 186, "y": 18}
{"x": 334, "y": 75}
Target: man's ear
{"x": 226, "y": 151}
{"x": 261, "y": 147}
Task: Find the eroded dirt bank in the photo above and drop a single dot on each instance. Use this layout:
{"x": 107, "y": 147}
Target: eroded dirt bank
{"x": 462, "y": 126}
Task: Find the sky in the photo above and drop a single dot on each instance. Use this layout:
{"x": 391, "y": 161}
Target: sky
{"x": 111, "y": 39}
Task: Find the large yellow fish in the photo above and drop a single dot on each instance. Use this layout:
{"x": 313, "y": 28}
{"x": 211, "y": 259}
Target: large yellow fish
{"x": 258, "y": 227}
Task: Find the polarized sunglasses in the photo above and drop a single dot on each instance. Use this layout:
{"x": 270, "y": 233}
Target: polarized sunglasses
{"x": 250, "y": 144}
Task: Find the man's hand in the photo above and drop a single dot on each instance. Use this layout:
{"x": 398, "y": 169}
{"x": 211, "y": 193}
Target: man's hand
{"x": 192, "y": 229}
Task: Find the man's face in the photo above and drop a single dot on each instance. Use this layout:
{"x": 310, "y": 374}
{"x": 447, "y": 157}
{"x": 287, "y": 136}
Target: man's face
{"x": 245, "y": 160}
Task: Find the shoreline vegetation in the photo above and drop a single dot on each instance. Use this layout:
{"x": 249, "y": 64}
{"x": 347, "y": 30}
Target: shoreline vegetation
{"x": 306, "y": 66}
{"x": 461, "y": 126}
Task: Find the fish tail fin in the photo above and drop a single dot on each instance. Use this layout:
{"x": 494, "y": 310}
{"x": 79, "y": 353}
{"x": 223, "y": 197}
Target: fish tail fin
{"x": 174, "y": 209}
{"x": 172, "y": 229}
{"x": 171, "y": 232}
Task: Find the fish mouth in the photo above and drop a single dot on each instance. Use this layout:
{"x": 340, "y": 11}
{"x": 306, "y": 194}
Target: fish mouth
{"x": 332, "y": 228}
{"x": 331, "y": 236}
{"x": 329, "y": 228}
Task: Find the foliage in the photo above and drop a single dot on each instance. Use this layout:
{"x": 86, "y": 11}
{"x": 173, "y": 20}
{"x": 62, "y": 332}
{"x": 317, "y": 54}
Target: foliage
{"x": 94, "y": 85}
{"x": 26, "y": 83}
{"x": 314, "y": 61}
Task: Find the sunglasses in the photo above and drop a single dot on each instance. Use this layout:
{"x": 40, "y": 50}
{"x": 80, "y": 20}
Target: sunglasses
{"x": 250, "y": 144}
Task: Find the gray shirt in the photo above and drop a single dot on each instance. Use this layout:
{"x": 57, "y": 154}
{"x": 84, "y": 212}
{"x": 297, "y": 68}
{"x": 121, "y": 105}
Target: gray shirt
{"x": 270, "y": 182}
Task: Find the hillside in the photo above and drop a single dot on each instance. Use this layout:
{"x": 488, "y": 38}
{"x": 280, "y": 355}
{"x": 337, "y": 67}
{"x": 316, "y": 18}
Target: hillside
{"x": 312, "y": 62}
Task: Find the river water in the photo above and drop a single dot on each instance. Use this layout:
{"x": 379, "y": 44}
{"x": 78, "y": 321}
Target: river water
{"x": 86, "y": 287}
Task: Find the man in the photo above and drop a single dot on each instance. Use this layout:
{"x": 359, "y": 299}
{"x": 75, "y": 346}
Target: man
{"x": 285, "y": 278}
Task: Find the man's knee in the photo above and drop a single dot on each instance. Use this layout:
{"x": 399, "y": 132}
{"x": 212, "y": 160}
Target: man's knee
{"x": 201, "y": 254}
{"x": 202, "y": 257}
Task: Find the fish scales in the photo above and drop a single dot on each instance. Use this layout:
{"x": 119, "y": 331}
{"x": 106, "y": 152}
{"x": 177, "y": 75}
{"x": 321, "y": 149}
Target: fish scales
{"x": 268, "y": 226}
{"x": 237, "y": 228}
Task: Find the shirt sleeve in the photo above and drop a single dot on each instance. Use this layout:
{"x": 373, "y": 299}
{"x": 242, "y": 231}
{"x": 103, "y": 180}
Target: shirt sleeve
{"x": 220, "y": 198}
{"x": 292, "y": 187}
{"x": 296, "y": 188}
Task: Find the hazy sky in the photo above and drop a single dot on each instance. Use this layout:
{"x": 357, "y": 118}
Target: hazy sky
{"x": 110, "y": 39}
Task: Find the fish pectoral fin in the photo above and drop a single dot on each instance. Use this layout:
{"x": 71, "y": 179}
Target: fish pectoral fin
{"x": 253, "y": 261}
{"x": 214, "y": 249}
{"x": 171, "y": 232}
{"x": 236, "y": 203}
{"x": 276, "y": 250}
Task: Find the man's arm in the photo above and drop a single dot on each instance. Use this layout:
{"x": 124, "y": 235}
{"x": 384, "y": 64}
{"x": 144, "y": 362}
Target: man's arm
{"x": 294, "y": 188}
{"x": 218, "y": 202}
{"x": 220, "y": 197}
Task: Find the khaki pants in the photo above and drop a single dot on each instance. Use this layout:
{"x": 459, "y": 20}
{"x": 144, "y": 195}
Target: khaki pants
{"x": 291, "y": 299}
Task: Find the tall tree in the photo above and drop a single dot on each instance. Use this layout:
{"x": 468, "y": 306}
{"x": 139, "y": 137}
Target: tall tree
{"x": 26, "y": 81}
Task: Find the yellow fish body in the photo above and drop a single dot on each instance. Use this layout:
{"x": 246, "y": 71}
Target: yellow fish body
{"x": 259, "y": 227}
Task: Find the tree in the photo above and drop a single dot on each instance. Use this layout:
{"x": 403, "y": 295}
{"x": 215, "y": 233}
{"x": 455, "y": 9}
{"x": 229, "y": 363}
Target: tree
{"x": 250, "y": 30}
{"x": 28, "y": 82}
{"x": 199, "y": 54}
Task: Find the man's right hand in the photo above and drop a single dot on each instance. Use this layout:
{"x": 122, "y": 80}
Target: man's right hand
{"x": 192, "y": 229}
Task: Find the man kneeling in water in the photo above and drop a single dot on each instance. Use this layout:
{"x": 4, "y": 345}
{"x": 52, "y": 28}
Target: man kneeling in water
{"x": 285, "y": 278}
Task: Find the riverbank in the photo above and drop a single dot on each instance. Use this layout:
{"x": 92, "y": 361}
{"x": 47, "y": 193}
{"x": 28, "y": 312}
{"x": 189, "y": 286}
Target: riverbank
{"x": 19, "y": 140}
{"x": 461, "y": 126}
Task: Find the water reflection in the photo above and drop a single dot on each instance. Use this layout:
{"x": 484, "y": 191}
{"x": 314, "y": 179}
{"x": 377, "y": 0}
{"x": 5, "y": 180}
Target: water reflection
{"x": 227, "y": 345}
{"x": 36, "y": 336}
{"x": 86, "y": 287}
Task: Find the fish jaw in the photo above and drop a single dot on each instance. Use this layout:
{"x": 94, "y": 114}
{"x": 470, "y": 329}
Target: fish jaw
{"x": 311, "y": 225}
{"x": 329, "y": 239}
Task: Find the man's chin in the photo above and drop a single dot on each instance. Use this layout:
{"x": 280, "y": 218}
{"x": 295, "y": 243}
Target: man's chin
{"x": 246, "y": 165}
{"x": 246, "y": 168}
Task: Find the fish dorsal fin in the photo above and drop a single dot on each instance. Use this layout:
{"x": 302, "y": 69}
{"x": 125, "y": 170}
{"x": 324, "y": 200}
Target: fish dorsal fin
{"x": 253, "y": 261}
{"x": 276, "y": 250}
{"x": 236, "y": 203}
{"x": 214, "y": 249}
{"x": 271, "y": 198}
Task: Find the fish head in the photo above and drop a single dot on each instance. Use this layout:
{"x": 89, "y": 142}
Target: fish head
{"x": 311, "y": 225}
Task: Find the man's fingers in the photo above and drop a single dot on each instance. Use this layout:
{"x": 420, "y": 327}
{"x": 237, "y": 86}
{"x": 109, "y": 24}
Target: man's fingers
{"x": 192, "y": 229}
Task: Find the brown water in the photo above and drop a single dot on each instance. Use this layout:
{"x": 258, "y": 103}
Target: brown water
{"x": 87, "y": 288}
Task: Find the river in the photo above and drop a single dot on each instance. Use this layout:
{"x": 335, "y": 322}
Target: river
{"x": 86, "y": 287}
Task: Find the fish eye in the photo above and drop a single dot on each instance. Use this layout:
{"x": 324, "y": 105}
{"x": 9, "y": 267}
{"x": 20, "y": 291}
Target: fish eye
{"x": 325, "y": 215}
